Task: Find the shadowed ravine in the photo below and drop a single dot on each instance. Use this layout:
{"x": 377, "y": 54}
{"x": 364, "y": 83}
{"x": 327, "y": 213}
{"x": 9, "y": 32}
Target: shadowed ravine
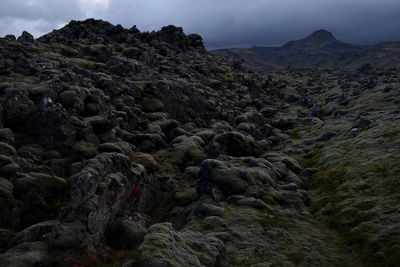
{"x": 128, "y": 148}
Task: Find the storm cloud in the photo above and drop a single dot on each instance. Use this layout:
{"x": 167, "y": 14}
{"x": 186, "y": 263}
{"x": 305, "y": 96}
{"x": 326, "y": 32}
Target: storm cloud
{"x": 222, "y": 23}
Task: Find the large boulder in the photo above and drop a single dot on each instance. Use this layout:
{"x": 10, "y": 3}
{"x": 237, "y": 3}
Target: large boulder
{"x": 250, "y": 181}
{"x": 17, "y": 108}
{"x": 164, "y": 246}
{"x": 187, "y": 151}
{"x": 240, "y": 176}
{"x": 27, "y": 255}
{"x": 231, "y": 143}
{"x": 108, "y": 184}
{"x": 51, "y": 126}
{"x": 174, "y": 36}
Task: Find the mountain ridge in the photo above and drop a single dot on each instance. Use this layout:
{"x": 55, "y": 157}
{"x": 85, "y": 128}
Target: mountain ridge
{"x": 319, "y": 49}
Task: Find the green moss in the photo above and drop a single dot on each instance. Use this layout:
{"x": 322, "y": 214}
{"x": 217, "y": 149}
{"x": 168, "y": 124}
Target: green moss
{"x": 231, "y": 256}
{"x": 295, "y": 134}
{"x": 86, "y": 64}
{"x": 152, "y": 105}
{"x": 51, "y": 154}
{"x": 214, "y": 223}
{"x": 142, "y": 84}
{"x": 68, "y": 98}
{"x": 92, "y": 109}
{"x": 269, "y": 221}
{"x": 39, "y": 90}
{"x": 68, "y": 51}
{"x": 49, "y": 182}
{"x": 214, "y": 83}
{"x": 129, "y": 100}
{"x": 226, "y": 77}
{"x": 96, "y": 49}
{"x": 295, "y": 258}
{"x": 85, "y": 150}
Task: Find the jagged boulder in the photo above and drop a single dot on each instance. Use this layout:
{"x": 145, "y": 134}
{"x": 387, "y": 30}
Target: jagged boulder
{"x": 51, "y": 126}
{"x": 100, "y": 190}
{"x": 26, "y": 37}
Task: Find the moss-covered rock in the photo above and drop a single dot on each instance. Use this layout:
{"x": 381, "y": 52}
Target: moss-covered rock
{"x": 92, "y": 108}
{"x": 186, "y": 197}
{"x": 102, "y": 124}
{"x": 84, "y": 150}
{"x": 6, "y": 188}
{"x": 165, "y": 246}
{"x": 39, "y": 90}
{"x": 51, "y": 154}
{"x": 7, "y": 136}
{"x": 187, "y": 151}
{"x": 68, "y": 98}
{"x": 233, "y": 144}
{"x": 27, "y": 254}
{"x": 51, "y": 184}
{"x": 152, "y": 105}
{"x": 125, "y": 234}
{"x": 150, "y": 142}
{"x": 109, "y": 147}
{"x": 240, "y": 177}
{"x": 6, "y": 149}
{"x": 9, "y": 170}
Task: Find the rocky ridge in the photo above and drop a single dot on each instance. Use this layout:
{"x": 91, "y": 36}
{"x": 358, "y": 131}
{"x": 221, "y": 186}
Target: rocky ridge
{"x": 128, "y": 148}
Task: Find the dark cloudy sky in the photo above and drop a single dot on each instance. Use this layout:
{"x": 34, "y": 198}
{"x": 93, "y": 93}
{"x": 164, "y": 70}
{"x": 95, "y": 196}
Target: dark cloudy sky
{"x": 222, "y": 23}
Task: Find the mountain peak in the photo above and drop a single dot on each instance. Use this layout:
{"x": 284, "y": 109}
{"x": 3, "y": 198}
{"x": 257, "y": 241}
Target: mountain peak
{"x": 319, "y": 38}
{"x": 321, "y": 35}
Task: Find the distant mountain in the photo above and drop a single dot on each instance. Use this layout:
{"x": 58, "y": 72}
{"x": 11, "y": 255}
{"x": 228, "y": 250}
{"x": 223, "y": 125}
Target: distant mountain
{"x": 320, "y": 49}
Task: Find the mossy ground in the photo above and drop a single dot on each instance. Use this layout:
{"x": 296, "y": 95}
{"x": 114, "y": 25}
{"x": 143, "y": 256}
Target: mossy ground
{"x": 358, "y": 178}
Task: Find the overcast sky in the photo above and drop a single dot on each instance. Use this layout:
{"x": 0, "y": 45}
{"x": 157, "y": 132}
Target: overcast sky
{"x": 222, "y": 23}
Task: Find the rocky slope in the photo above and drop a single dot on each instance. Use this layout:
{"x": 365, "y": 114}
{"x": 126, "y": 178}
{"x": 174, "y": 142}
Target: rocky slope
{"x": 321, "y": 49}
{"x": 122, "y": 148}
